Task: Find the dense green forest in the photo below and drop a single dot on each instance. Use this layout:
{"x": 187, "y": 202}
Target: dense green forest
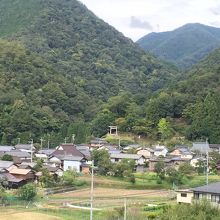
{"x": 59, "y": 64}
{"x": 188, "y": 108}
{"x": 63, "y": 71}
{"x": 183, "y": 46}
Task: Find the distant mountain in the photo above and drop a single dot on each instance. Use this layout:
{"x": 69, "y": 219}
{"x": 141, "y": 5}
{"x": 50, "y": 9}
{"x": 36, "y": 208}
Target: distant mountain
{"x": 184, "y": 46}
{"x": 59, "y": 63}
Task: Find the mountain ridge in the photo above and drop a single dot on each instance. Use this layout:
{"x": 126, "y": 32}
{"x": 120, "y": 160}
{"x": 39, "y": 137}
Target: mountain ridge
{"x": 183, "y": 46}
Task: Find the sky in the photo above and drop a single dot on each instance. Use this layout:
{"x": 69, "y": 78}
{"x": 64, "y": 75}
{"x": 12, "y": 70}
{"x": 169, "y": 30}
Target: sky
{"x": 136, "y": 18}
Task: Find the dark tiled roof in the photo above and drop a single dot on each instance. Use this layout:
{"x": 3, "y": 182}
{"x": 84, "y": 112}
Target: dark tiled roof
{"x": 48, "y": 152}
{"x": 6, "y": 148}
{"x": 67, "y": 149}
{"x": 210, "y": 188}
{"x": 5, "y": 164}
{"x": 24, "y": 146}
{"x": 20, "y": 154}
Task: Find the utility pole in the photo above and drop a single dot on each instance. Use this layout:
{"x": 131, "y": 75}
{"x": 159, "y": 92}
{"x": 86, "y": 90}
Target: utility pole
{"x": 91, "y": 192}
{"x": 48, "y": 144}
{"x": 65, "y": 139}
{"x": 207, "y": 162}
{"x": 19, "y": 140}
{"x": 32, "y": 142}
{"x": 125, "y": 209}
{"x": 73, "y": 138}
{"x": 41, "y": 142}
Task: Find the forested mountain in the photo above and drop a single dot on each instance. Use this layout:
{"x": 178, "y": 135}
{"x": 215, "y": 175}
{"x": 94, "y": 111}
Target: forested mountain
{"x": 188, "y": 108}
{"x": 59, "y": 63}
{"x": 184, "y": 46}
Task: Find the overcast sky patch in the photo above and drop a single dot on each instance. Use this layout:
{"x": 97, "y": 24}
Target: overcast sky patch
{"x": 136, "y": 18}
{"x": 138, "y": 23}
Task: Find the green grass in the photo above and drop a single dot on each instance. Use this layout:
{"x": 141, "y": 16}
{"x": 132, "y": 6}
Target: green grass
{"x": 68, "y": 214}
{"x": 11, "y": 22}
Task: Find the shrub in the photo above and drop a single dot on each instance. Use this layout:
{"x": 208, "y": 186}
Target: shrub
{"x": 28, "y": 192}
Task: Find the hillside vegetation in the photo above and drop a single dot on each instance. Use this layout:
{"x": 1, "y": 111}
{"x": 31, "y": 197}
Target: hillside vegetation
{"x": 184, "y": 46}
{"x": 188, "y": 108}
{"x": 59, "y": 63}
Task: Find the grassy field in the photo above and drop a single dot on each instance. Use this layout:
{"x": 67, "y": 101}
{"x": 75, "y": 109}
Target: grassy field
{"x": 9, "y": 214}
{"x": 109, "y": 197}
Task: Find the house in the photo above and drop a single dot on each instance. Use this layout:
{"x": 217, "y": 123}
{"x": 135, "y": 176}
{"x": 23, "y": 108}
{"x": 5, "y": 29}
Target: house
{"x": 132, "y": 146}
{"x": 24, "y": 174}
{"x": 46, "y": 152}
{"x": 67, "y": 150}
{"x": 98, "y": 142}
{"x": 69, "y": 156}
{"x": 84, "y": 149}
{"x": 153, "y": 161}
{"x": 146, "y": 152}
{"x": 27, "y": 165}
{"x": 196, "y": 160}
{"x": 54, "y": 161}
{"x": 22, "y": 155}
{"x": 213, "y": 147}
{"x": 139, "y": 159}
{"x": 209, "y": 192}
{"x": 4, "y": 165}
{"x": 201, "y": 147}
{"x": 73, "y": 162}
{"x": 56, "y": 171}
{"x": 182, "y": 152}
{"x": 11, "y": 181}
{"x": 43, "y": 157}
{"x": 25, "y": 147}
{"x": 160, "y": 151}
{"x": 5, "y": 149}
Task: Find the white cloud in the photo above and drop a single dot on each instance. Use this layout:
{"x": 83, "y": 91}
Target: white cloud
{"x": 159, "y": 15}
{"x": 138, "y": 23}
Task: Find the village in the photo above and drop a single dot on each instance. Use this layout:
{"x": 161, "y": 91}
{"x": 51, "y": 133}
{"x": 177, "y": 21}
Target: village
{"x": 17, "y": 164}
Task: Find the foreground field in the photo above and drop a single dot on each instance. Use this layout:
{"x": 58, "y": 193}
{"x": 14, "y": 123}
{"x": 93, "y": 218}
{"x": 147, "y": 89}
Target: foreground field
{"x": 105, "y": 198}
{"x": 21, "y": 215}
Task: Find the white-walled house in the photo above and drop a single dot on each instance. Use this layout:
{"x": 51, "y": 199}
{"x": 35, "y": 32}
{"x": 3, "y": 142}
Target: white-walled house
{"x": 209, "y": 192}
{"x": 73, "y": 163}
{"x": 160, "y": 151}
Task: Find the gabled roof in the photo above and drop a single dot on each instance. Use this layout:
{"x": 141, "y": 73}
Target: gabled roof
{"x": 210, "y": 188}
{"x": 24, "y": 147}
{"x": 20, "y": 154}
{"x": 67, "y": 149}
{"x": 98, "y": 141}
{"x": 126, "y": 156}
{"x": 32, "y": 165}
{"x": 72, "y": 158}
{"x": 202, "y": 147}
{"x": 48, "y": 152}
{"x": 11, "y": 178}
{"x": 20, "y": 171}
{"x": 147, "y": 149}
{"x": 5, "y": 164}
{"x": 6, "y": 148}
